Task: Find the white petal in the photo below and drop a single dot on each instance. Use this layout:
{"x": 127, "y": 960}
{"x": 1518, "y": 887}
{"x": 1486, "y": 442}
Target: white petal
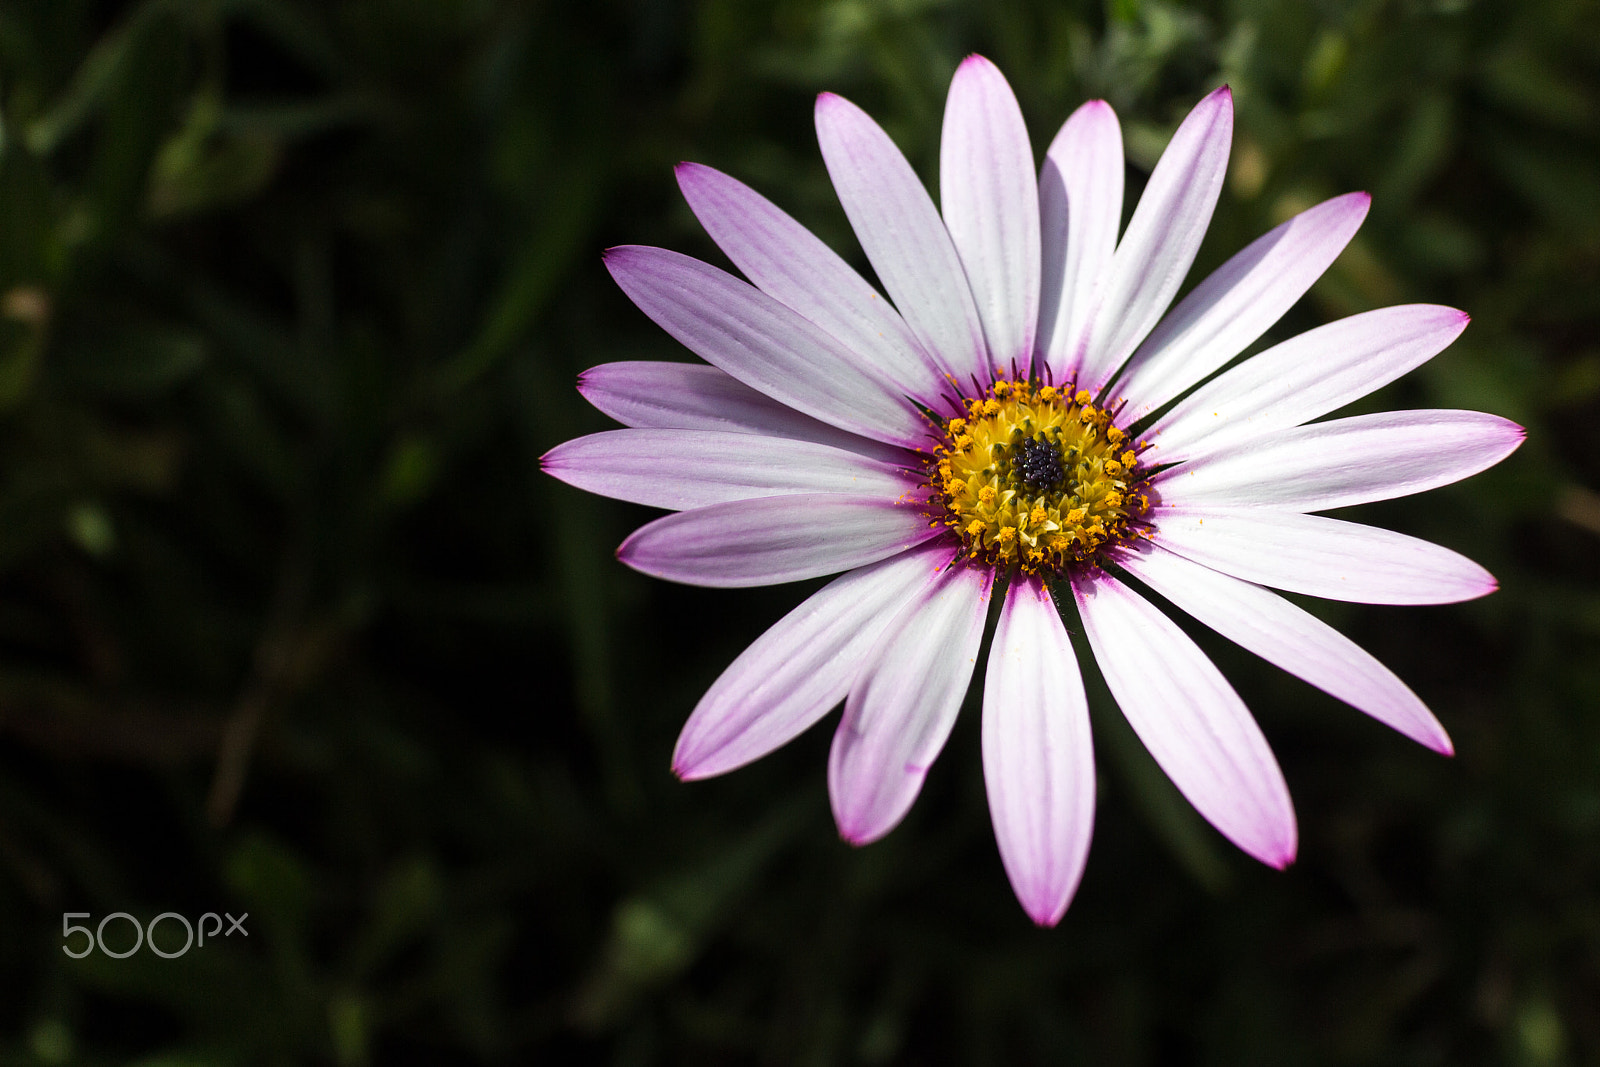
{"x": 1345, "y": 461}
{"x": 1080, "y": 205}
{"x": 1290, "y": 637}
{"x": 787, "y": 261}
{"x": 902, "y": 706}
{"x": 653, "y": 395}
{"x": 1038, "y": 757}
{"x": 765, "y": 344}
{"x": 903, "y": 236}
{"x": 680, "y": 469}
{"x": 1304, "y": 378}
{"x": 1320, "y": 556}
{"x": 1236, "y": 304}
{"x": 802, "y": 667}
{"x": 774, "y": 539}
{"x": 1162, "y": 237}
{"x": 991, "y": 207}
{"x": 1190, "y": 719}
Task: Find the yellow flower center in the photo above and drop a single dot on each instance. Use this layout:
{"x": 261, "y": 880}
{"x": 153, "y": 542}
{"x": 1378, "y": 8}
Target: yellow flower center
{"x": 1037, "y": 477}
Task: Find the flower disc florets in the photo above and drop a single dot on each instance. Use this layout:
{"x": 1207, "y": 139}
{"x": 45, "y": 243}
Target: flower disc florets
{"x": 1038, "y": 477}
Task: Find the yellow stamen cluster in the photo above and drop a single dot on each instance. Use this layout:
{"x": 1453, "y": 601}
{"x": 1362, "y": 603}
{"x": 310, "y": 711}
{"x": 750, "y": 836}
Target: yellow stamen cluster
{"x": 1036, "y": 476}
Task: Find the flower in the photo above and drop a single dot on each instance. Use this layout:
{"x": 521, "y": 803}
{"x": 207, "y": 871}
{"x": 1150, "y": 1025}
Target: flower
{"x": 1028, "y": 411}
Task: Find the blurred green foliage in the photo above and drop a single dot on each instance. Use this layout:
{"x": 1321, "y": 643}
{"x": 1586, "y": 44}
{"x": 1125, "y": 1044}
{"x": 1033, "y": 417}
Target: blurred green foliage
{"x": 292, "y": 297}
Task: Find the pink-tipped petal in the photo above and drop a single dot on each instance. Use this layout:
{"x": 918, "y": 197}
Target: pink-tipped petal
{"x": 1304, "y": 378}
{"x": 802, "y": 667}
{"x": 903, "y": 236}
{"x": 788, "y": 262}
{"x": 903, "y": 704}
{"x": 1319, "y": 556}
{"x": 653, "y": 395}
{"x": 1190, "y": 719}
{"x": 1291, "y": 638}
{"x": 1080, "y": 207}
{"x": 1038, "y": 757}
{"x": 991, "y": 207}
{"x": 1238, "y": 303}
{"x": 1346, "y": 461}
{"x": 765, "y": 344}
{"x": 1162, "y": 238}
{"x": 773, "y": 539}
{"x": 681, "y": 469}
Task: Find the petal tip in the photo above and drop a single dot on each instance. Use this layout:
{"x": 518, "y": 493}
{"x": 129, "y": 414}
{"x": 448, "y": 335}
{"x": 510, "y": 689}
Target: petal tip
{"x": 1089, "y": 113}
{"x": 1478, "y": 585}
{"x": 1353, "y": 207}
{"x": 1044, "y": 904}
{"x": 590, "y": 383}
{"x": 860, "y": 819}
{"x": 1276, "y": 844}
{"x": 705, "y": 751}
{"x": 689, "y": 769}
{"x": 627, "y": 261}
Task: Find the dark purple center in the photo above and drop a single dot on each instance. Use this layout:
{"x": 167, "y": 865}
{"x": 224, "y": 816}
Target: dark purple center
{"x": 1037, "y": 463}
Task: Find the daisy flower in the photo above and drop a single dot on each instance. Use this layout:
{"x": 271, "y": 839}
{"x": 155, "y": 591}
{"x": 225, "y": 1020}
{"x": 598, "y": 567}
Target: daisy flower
{"x": 1023, "y": 411}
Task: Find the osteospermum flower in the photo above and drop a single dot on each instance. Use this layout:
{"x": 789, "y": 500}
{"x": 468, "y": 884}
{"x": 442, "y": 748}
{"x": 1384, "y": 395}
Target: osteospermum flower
{"x": 1026, "y": 411}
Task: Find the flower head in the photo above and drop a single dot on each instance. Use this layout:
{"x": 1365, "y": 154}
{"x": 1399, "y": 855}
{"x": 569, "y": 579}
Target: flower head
{"x": 1026, "y": 410}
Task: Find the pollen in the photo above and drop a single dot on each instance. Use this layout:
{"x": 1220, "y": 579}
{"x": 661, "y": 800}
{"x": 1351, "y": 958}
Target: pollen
{"x": 1037, "y": 477}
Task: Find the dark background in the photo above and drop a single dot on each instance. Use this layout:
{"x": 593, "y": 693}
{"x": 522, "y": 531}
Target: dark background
{"x": 293, "y": 295}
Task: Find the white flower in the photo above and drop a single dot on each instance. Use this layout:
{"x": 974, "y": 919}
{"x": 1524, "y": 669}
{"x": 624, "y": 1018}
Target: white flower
{"x": 1012, "y": 416}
